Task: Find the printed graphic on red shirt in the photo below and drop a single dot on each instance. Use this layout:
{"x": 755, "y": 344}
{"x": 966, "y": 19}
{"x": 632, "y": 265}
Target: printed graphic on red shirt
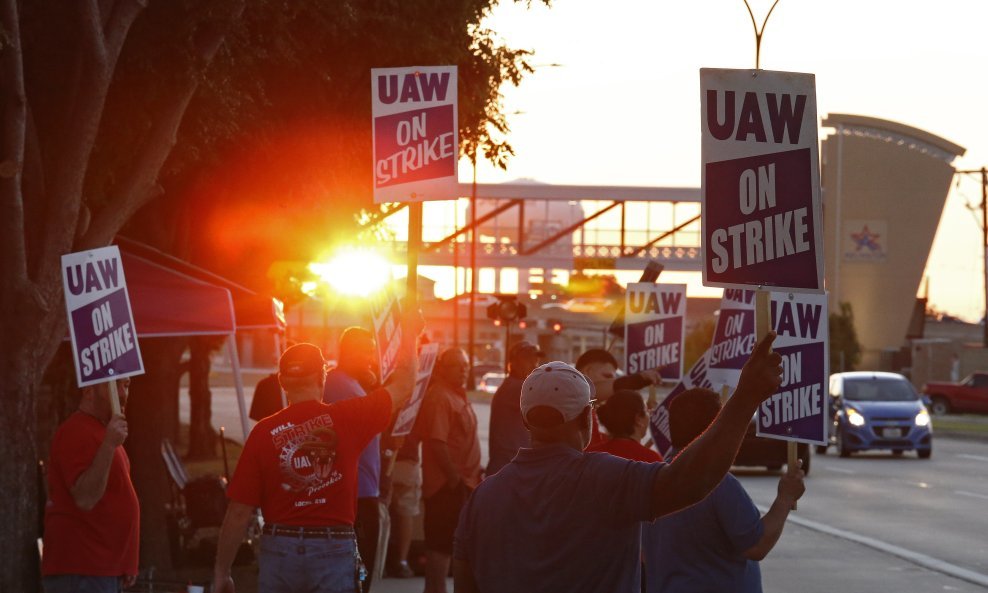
{"x": 306, "y": 455}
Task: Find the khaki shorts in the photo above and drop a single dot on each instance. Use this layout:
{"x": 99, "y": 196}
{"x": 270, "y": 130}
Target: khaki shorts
{"x": 406, "y": 485}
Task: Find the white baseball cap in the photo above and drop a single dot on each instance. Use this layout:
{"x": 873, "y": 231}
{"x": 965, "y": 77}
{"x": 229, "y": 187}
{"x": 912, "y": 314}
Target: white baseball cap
{"x": 559, "y": 386}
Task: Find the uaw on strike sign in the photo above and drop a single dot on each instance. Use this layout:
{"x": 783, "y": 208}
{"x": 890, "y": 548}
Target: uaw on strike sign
{"x": 415, "y": 133}
{"x": 761, "y": 220}
{"x": 653, "y": 328}
{"x": 386, "y": 318}
{"x": 658, "y": 418}
{"x": 405, "y": 419}
{"x": 798, "y": 411}
{"x": 104, "y": 341}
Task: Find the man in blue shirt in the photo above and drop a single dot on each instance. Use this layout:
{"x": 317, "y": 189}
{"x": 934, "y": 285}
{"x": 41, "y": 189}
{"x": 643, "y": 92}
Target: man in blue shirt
{"x": 558, "y": 519}
{"x": 351, "y": 378}
{"x": 714, "y": 545}
{"x": 507, "y": 429}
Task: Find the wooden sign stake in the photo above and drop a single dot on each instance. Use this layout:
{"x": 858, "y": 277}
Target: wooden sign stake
{"x": 114, "y": 397}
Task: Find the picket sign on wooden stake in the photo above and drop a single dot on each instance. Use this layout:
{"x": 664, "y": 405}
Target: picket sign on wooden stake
{"x": 762, "y": 327}
{"x": 114, "y": 397}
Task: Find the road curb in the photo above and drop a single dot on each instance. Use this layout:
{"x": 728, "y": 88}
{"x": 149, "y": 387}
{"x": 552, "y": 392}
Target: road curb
{"x": 923, "y": 560}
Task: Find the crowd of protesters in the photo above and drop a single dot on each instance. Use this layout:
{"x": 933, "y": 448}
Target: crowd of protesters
{"x": 562, "y": 505}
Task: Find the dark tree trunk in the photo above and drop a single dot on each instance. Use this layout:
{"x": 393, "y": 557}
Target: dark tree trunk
{"x": 202, "y": 437}
{"x": 150, "y": 393}
{"x": 19, "y": 485}
{"x": 31, "y": 337}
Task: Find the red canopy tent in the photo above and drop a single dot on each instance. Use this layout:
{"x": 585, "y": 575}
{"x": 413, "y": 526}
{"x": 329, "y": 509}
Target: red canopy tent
{"x": 171, "y": 297}
{"x": 168, "y": 303}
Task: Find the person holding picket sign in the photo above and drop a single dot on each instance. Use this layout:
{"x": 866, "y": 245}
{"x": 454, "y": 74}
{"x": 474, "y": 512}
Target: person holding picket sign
{"x": 300, "y": 467}
{"x": 714, "y": 545}
{"x": 353, "y": 376}
{"x": 92, "y": 517}
{"x": 559, "y": 519}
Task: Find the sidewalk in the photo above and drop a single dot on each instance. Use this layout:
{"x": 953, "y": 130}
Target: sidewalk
{"x": 412, "y": 585}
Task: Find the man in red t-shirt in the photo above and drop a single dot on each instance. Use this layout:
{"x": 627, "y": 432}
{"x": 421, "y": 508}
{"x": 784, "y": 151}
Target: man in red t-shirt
{"x": 92, "y": 517}
{"x": 299, "y": 467}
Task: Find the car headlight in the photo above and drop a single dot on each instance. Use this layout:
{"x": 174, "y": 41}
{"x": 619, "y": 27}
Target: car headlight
{"x": 855, "y": 418}
{"x": 923, "y": 418}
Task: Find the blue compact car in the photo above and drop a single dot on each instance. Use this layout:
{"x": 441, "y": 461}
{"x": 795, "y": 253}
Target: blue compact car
{"x": 873, "y": 410}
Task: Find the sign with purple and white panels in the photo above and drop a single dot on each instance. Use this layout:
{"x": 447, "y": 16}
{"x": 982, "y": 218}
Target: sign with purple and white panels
{"x": 799, "y": 411}
{"x": 386, "y": 317}
{"x": 658, "y": 418}
{"x": 654, "y": 320}
{"x": 405, "y": 420}
{"x": 734, "y": 337}
{"x": 415, "y": 133}
{"x": 761, "y": 221}
{"x": 101, "y": 324}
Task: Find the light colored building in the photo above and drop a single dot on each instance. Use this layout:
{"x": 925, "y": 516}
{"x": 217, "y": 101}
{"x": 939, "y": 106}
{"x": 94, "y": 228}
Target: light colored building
{"x": 885, "y": 185}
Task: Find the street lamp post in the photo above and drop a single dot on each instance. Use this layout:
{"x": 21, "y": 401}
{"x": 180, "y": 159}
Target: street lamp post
{"x": 759, "y": 33}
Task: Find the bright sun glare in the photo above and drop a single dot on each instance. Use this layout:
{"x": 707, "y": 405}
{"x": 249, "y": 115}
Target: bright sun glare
{"x": 354, "y": 272}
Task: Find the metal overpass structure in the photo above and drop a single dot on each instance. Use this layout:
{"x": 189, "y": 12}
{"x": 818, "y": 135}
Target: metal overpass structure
{"x": 535, "y": 226}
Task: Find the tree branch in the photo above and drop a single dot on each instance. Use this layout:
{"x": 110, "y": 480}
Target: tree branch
{"x": 118, "y": 24}
{"x": 92, "y": 31}
{"x": 140, "y": 186}
{"x": 13, "y": 102}
{"x": 68, "y": 172}
{"x": 105, "y": 10}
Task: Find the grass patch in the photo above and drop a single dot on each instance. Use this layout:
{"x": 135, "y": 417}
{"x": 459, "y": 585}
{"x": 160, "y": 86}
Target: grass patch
{"x": 966, "y": 424}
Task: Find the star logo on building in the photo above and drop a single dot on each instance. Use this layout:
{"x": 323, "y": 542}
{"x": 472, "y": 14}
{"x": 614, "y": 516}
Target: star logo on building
{"x": 866, "y": 238}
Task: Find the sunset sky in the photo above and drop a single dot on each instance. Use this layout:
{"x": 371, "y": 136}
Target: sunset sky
{"x": 615, "y": 100}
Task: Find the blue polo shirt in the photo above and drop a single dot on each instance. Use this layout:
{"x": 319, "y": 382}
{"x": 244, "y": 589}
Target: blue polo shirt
{"x": 557, "y": 519}
{"x": 340, "y": 386}
{"x": 701, "y": 548}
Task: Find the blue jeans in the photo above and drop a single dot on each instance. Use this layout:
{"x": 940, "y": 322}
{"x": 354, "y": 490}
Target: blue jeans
{"x": 291, "y": 563}
{"x": 77, "y": 583}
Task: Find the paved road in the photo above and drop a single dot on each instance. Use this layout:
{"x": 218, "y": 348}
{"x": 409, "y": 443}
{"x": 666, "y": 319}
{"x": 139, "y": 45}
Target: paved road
{"x": 933, "y": 509}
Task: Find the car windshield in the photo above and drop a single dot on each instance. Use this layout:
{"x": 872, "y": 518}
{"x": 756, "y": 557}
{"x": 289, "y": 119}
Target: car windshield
{"x": 879, "y": 390}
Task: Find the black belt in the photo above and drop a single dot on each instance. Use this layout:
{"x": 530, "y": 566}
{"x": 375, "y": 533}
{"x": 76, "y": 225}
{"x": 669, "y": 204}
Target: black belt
{"x": 332, "y": 532}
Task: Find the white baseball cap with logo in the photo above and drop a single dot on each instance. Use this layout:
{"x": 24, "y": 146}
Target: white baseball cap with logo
{"x": 559, "y": 386}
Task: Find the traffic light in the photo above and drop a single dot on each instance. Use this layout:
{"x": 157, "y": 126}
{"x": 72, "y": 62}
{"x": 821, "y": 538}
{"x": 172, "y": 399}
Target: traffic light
{"x": 507, "y": 308}
{"x": 555, "y": 325}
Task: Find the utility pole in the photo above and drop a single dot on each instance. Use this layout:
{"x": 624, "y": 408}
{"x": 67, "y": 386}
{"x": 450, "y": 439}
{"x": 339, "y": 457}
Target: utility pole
{"x": 471, "y": 335}
{"x": 984, "y": 250}
{"x": 983, "y": 171}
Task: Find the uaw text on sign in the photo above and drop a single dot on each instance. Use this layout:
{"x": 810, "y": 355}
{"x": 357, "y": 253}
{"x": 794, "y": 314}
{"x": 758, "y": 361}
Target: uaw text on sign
{"x": 761, "y": 180}
{"x": 101, "y": 325}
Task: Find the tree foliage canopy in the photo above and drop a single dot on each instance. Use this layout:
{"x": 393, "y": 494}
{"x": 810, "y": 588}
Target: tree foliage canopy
{"x": 239, "y": 130}
{"x": 273, "y": 158}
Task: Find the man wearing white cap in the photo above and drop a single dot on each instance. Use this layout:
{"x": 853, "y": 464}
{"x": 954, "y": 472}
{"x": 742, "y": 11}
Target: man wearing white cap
{"x": 559, "y": 519}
